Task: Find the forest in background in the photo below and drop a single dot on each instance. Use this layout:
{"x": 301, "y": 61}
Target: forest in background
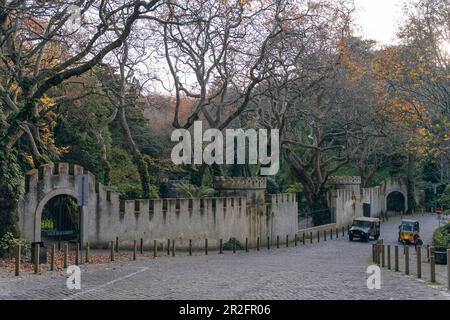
{"x": 106, "y": 88}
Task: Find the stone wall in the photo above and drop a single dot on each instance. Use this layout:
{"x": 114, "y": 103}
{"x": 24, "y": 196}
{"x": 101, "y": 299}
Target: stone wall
{"x": 105, "y": 217}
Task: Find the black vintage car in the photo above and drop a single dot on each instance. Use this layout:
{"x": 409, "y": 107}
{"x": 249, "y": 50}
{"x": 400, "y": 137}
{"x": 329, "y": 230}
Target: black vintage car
{"x": 364, "y": 228}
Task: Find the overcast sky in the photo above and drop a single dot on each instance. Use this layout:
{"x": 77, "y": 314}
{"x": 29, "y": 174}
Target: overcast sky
{"x": 378, "y": 19}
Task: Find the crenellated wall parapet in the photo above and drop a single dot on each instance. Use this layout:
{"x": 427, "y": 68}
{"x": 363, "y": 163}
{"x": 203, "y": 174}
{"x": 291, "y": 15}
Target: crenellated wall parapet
{"x": 106, "y": 216}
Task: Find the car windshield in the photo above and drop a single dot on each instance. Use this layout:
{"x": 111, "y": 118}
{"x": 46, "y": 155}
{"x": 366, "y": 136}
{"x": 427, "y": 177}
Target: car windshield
{"x": 361, "y": 224}
{"x": 407, "y": 227}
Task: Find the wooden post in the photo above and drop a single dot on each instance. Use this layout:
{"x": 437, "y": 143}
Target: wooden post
{"x": 221, "y": 246}
{"x": 18, "y": 258}
{"x": 155, "y": 249}
{"x": 268, "y": 243}
{"x": 257, "y": 244}
{"x": 142, "y": 246}
{"x": 396, "y": 259}
{"x": 77, "y": 255}
{"x": 407, "y": 260}
{"x": 318, "y": 236}
{"x": 66, "y": 255}
{"x": 295, "y": 240}
{"x": 117, "y": 245}
{"x": 419, "y": 261}
{"x": 278, "y": 242}
{"x": 287, "y": 241}
{"x": 234, "y": 245}
{"x": 310, "y": 238}
{"x": 304, "y": 238}
{"x": 88, "y": 252}
{"x": 337, "y": 233}
{"x": 173, "y": 248}
{"x": 331, "y": 234}
{"x": 324, "y": 235}
{"x": 343, "y": 232}
{"x": 190, "y": 247}
{"x": 112, "y": 251}
{"x": 246, "y": 244}
{"x": 36, "y": 257}
{"x": 432, "y": 269}
{"x": 206, "y": 247}
{"x": 428, "y": 252}
{"x": 448, "y": 269}
{"x": 52, "y": 257}
{"x": 373, "y": 253}
{"x": 168, "y": 247}
{"x": 389, "y": 257}
{"x": 383, "y": 256}
{"x": 134, "y": 249}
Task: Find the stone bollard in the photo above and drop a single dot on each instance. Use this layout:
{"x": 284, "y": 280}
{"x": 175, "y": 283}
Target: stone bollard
{"x": 448, "y": 269}
{"x": 117, "y": 245}
{"x": 396, "y": 259}
{"x": 66, "y": 255}
{"x": 155, "y": 249}
{"x": 407, "y": 260}
{"x": 419, "y": 262}
{"x": 383, "y": 256}
{"x": 18, "y": 254}
{"x": 206, "y": 247}
{"x": 112, "y": 251}
{"x": 36, "y": 258}
{"x": 88, "y": 252}
{"x": 278, "y": 242}
{"x": 77, "y": 255}
{"x": 173, "y": 248}
{"x": 134, "y": 249}
{"x": 168, "y": 247}
{"x": 389, "y": 257}
{"x": 257, "y": 244}
{"x": 141, "y": 247}
{"x": 246, "y": 244}
{"x": 190, "y": 247}
{"x": 221, "y": 246}
{"x": 52, "y": 257}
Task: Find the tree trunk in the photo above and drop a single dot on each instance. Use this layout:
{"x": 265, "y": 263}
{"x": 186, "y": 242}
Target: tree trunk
{"x": 411, "y": 183}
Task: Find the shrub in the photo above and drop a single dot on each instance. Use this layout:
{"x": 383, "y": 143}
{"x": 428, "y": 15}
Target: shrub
{"x": 8, "y": 243}
{"x": 441, "y": 237}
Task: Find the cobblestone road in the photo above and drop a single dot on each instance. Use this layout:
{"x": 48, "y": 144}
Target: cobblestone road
{"x": 327, "y": 270}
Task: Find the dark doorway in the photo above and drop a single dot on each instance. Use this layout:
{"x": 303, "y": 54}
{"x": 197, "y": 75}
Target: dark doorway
{"x": 396, "y": 202}
{"x": 366, "y": 210}
{"x": 60, "y": 220}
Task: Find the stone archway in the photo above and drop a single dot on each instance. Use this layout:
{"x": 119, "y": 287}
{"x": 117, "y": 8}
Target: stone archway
{"x": 41, "y": 205}
{"x": 396, "y": 201}
{"x": 46, "y": 183}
